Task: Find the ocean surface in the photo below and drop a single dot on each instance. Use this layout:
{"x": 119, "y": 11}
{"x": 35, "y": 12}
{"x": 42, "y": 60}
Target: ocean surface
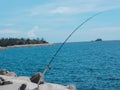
{"x": 88, "y": 65}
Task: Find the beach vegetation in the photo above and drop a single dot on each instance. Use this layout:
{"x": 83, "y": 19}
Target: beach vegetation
{"x": 20, "y": 41}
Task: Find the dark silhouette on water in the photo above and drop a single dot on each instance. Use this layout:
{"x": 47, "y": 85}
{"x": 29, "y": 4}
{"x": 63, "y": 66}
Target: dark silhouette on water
{"x": 99, "y": 39}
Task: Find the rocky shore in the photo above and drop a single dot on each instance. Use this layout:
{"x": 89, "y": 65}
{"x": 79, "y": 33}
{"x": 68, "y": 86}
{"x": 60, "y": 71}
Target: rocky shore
{"x": 10, "y": 81}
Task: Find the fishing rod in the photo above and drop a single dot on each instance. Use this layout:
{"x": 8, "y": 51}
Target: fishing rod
{"x": 53, "y": 57}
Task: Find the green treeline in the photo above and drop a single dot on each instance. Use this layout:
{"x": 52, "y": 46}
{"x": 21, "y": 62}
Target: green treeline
{"x": 16, "y": 41}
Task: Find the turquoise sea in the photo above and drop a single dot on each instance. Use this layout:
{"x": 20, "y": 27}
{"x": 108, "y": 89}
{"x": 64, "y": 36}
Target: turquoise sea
{"x": 88, "y": 65}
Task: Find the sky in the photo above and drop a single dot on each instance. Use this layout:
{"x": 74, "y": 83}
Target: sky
{"x": 54, "y": 20}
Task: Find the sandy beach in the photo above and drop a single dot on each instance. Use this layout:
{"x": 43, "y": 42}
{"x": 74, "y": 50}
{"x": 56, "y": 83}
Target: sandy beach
{"x": 26, "y": 45}
{"x": 2, "y": 48}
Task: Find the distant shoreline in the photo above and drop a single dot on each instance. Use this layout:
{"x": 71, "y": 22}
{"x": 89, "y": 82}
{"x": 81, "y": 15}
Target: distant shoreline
{"x": 47, "y": 44}
{"x": 26, "y": 45}
{"x": 91, "y": 41}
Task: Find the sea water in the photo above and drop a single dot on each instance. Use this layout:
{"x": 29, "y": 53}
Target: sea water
{"x": 88, "y": 65}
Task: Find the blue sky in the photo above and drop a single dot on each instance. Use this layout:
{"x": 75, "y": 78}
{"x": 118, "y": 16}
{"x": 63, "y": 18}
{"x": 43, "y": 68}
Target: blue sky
{"x": 54, "y": 20}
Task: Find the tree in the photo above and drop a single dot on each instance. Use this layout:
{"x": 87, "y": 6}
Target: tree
{"x": 16, "y": 41}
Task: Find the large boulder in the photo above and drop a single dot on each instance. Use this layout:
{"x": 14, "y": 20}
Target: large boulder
{"x": 37, "y": 78}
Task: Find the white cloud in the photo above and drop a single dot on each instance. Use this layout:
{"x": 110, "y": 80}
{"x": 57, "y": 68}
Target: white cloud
{"x": 7, "y": 31}
{"x": 74, "y": 7}
{"x": 11, "y": 33}
{"x": 39, "y": 10}
{"x": 45, "y": 14}
{"x": 62, "y": 10}
{"x": 60, "y": 35}
{"x": 32, "y": 32}
{"x": 81, "y": 35}
{"x": 108, "y": 29}
{"x": 48, "y": 34}
{"x": 107, "y": 33}
{"x": 7, "y": 25}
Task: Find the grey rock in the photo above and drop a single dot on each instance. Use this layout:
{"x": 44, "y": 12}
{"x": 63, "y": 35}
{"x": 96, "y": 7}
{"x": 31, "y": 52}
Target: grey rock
{"x": 3, "y": 72}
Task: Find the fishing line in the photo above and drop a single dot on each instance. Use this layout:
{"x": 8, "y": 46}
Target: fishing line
{"x": 53, "y": 57}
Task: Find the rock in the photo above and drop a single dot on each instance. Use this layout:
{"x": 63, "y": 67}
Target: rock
{"x": 7, "y": 73}
{"x": 99, "y": 39}
{"x": 3, "y": 72}
{"x": 22, "y": 87}
{"x": 23, "y": 84}
{"x": 35, "y": 78}
{"x": 1, "y": 81}
{"x": 7, "y": 82}
{"x": 71, "y": 87}
{"x": 11, "y": 74}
